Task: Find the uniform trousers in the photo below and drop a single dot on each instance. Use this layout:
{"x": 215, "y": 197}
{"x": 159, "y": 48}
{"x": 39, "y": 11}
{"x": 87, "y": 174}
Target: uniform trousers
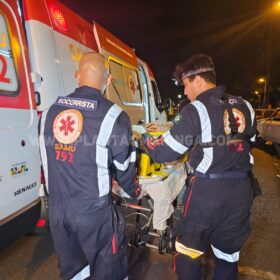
{"x": 91, "y": 247}
{"x": 215, "y": 217}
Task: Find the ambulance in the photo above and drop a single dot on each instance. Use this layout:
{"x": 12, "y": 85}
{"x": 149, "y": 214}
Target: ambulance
{"x": 41, "y": 42}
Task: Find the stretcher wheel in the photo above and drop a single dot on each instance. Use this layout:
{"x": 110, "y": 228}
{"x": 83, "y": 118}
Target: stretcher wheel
{"x": 161, "y": 247}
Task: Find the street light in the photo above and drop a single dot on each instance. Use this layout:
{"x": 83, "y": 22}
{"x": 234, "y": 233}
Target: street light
{"x": 263, "y": 81}
{"x": 179, "y": 96}
{"x": 258, "y": 94}
{"x": 275, "y": 8}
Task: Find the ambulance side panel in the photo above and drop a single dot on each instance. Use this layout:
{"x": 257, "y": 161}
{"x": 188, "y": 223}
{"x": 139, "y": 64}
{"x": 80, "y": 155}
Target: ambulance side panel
{"x": 55, "y": 47}
{"x": 19, "y": 153}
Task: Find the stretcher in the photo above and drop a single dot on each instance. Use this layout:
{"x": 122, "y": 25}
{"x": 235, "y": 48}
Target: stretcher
{"x": 153, "y": 215}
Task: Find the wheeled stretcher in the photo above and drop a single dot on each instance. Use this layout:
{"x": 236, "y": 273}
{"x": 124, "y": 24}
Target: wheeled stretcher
{"x": 153, "y": 215}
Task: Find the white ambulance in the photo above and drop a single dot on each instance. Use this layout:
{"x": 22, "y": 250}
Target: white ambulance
{"x": 41, "y": 42}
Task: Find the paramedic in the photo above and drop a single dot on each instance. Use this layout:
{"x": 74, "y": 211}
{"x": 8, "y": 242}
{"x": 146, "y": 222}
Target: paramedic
{"x": 216, "y": 129}
{"x": 85, "y": 141}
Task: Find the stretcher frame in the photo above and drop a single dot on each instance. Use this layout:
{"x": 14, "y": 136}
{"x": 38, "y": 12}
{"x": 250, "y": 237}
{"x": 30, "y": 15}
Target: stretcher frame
{"x": 163, "y": 228}
{"x": 165, "y": 238}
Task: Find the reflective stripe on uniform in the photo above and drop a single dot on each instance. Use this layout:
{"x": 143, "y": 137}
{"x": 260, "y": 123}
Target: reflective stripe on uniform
{"x": 43, "y": 150}
{"x": 190, "y": 252}
{"x": 101, "y": 150}
{"x": 252, "y": 139}
{"x": 206, "y": 135}
{"x": 173, "y": 143}
{"x": 252, "y": 112}
{"x": 224, "y": 256}
{"x": 251, "y": 159}
{"x": 124, "y": 166}
{"x": 83, "y": 274}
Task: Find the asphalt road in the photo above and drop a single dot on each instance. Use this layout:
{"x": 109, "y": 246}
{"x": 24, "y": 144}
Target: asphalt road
{"x": 33, "y": 258}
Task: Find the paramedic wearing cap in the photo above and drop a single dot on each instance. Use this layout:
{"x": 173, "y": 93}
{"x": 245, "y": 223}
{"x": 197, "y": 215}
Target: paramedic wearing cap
{"x": 85, "y": 141}
{"x": 216, "y": 130}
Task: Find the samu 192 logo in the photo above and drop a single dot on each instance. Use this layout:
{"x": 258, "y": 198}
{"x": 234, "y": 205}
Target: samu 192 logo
{"x": 19, "y": 168}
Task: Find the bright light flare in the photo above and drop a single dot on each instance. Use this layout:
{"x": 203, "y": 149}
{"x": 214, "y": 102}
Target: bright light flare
{"x": 276, "y": 7}
{"x": 261, "y": 80}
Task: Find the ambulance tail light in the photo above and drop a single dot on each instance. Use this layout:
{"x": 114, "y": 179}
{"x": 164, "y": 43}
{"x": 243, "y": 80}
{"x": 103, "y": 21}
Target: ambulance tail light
{"x": 41, "y": 223}
{"x": 41, "y": 226}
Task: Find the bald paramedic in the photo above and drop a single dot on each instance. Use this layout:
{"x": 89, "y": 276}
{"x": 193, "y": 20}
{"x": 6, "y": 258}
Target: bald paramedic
{"x": 85, "y": 141}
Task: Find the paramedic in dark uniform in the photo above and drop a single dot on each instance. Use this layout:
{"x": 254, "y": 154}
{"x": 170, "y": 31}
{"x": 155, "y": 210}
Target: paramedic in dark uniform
{"x": 216, "y": 129}
{"x": 85, "y": 141}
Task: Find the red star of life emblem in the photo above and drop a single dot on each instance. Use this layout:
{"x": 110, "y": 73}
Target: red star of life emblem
{"x": 132, "y": 86}
{"x": 67, "y": 125}
{"x": 237, "y": 119}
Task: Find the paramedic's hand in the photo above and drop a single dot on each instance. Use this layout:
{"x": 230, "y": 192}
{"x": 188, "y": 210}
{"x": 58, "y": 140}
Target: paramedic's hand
{"x": 153, "y": 127}
{"x": 136, "y": 135}
{"x": 142, "y": 194}
{"x": 116, "y": 189}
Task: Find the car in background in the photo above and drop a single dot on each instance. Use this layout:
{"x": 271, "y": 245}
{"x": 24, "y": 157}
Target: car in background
{"x": 269, "y": 129}
{"x": 263, "y": 113}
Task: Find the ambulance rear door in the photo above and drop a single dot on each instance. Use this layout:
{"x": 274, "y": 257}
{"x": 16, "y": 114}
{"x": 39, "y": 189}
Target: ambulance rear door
{"x": 126, "y": 86}
{"x": 153, "y": 104}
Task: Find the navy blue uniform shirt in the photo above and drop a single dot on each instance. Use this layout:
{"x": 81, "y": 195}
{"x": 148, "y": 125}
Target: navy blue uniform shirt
{"x": 206, "y": 120}
{"x": 86, "y": 140}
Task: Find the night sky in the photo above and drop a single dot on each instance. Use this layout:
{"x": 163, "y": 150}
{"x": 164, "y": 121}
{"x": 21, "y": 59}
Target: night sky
{"x": 241, "y": 35}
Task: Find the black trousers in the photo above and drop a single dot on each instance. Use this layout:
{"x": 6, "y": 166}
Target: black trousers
{"x": 97, "y": 241}
{"x": 215, "y": 216}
